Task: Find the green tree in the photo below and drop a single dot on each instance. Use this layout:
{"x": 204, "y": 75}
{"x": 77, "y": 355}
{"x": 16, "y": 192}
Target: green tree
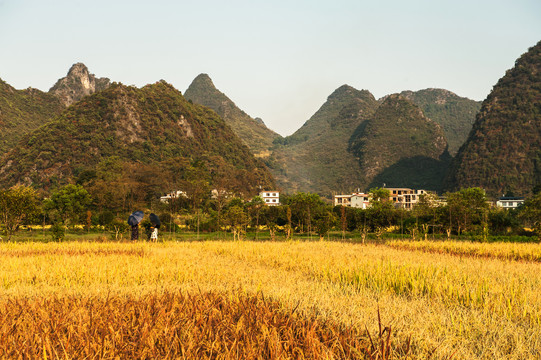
{"x": 381, "y": 213}
{"x": 302, "y": 206}
{"x": 530, "y": 212}
{"x": 69, "y": 203}
{"x": 380, "y": 195}
{"x": 17, "y": 205}
{"x": 324, "y": 220}
{"x": 237, "y": 219}
{"x": 272, "y": 217}
{"x": 468, "y": 210}
{"x": 503, "y": 221}
{"x": 255, "y": 207}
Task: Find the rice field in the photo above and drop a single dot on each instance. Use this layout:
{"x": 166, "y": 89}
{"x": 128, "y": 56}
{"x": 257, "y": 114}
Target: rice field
{"x": 296, "y": 299}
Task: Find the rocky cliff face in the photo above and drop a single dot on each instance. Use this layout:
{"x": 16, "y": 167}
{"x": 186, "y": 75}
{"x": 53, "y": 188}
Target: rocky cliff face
{"x": 78, "y": 84}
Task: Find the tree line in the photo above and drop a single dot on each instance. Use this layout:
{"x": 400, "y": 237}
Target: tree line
{"x": 463, "y": 213}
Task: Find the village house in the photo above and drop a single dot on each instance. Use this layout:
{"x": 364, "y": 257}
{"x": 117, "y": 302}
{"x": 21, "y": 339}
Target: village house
{"x": 358, "y": 200}
{"x": 404, "y": 197}
{"x": 509, "y": 202}
{"x": 271, "y": 198}
{"x": 173, "y": 195}
{"x": 401, "y": 197}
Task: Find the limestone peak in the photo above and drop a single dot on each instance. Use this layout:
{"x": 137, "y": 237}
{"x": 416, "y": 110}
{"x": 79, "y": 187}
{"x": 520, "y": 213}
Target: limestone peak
{"x": 78, "y": 83}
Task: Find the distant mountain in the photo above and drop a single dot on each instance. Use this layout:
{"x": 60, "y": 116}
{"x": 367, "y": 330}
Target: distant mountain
{"x": 77, "y": 84}
{"x": 400, "y": 146}
{"x": 316, "y": 157}
{"x": 503, "y": 150}
{"x": 154, "y": 128}
{"x": 455, "y": 114}
{"x": 252, "y": 132}
{"x": 22, "y": 111}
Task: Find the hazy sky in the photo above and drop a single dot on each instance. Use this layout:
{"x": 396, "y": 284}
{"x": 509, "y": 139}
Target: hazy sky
{"x": 278, "y": 60}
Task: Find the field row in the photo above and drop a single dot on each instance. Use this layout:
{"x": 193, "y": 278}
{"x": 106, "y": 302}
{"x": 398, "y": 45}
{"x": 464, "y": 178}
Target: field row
{"x": 503, "y": 251}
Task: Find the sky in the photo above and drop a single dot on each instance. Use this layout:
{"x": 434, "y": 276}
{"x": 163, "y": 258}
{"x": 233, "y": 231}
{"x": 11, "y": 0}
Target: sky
{"x": 278, "y": 60}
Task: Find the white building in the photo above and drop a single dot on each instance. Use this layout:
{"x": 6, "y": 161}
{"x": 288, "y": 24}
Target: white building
{"x": 344, "y": 200}
{"x": 358, "y": 200}
{"x": 173, "y": 195}
{"x": 271, "y": 198}
{"x": 509, "y": 202}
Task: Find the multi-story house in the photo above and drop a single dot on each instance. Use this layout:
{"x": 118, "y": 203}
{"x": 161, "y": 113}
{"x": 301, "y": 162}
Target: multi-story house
{"x": 509, "y": 202}
{"x": 271, "y": 198}
{"x": 358, "y": 200}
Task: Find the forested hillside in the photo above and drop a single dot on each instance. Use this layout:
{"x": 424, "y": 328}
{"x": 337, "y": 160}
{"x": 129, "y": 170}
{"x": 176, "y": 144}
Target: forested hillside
{"x": 22, "y": 111}
{"x": 145, "y": 141}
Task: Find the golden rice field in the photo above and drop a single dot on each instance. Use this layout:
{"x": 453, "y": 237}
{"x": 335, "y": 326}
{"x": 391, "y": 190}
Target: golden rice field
{"x": 260, "y": 300}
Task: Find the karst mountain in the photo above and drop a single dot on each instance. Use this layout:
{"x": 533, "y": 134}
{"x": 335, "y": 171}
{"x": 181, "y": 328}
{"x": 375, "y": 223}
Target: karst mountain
{"x": 153, "y": 130}
{"x": 503, "y": 151}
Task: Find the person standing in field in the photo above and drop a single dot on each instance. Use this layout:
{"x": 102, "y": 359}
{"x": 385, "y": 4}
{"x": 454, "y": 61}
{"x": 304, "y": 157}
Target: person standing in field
{"x": 133, "y": 220}
{"x": 155, "y": 223}
{"x": 154, "y": 234}
{"x": 135, "y": 232}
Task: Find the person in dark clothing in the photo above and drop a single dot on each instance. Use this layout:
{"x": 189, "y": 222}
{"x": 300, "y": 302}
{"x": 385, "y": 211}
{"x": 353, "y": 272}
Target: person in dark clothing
{"x": 135, "y": 232}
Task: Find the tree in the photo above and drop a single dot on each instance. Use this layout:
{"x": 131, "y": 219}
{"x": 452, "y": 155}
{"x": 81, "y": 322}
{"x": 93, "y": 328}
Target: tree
{"x": 69, "y": 203}
{"x": 530, "y": 212}
{"x": 17, "y": 205}
{"x": 468, "y": 209}
{"x": 343, "y": 221}
{"x": 426, "y": 213}
{"x": 236, "y": 217}
{"x": 255, "y": 207}
{"x": 302, "y": 205}
{"x": 197, "y": 188}
{"x": 324, "y": 220}
{"x": 380, "y": 214}
{"x": 272, "y": 217}
{"x": 380, "y": 195}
